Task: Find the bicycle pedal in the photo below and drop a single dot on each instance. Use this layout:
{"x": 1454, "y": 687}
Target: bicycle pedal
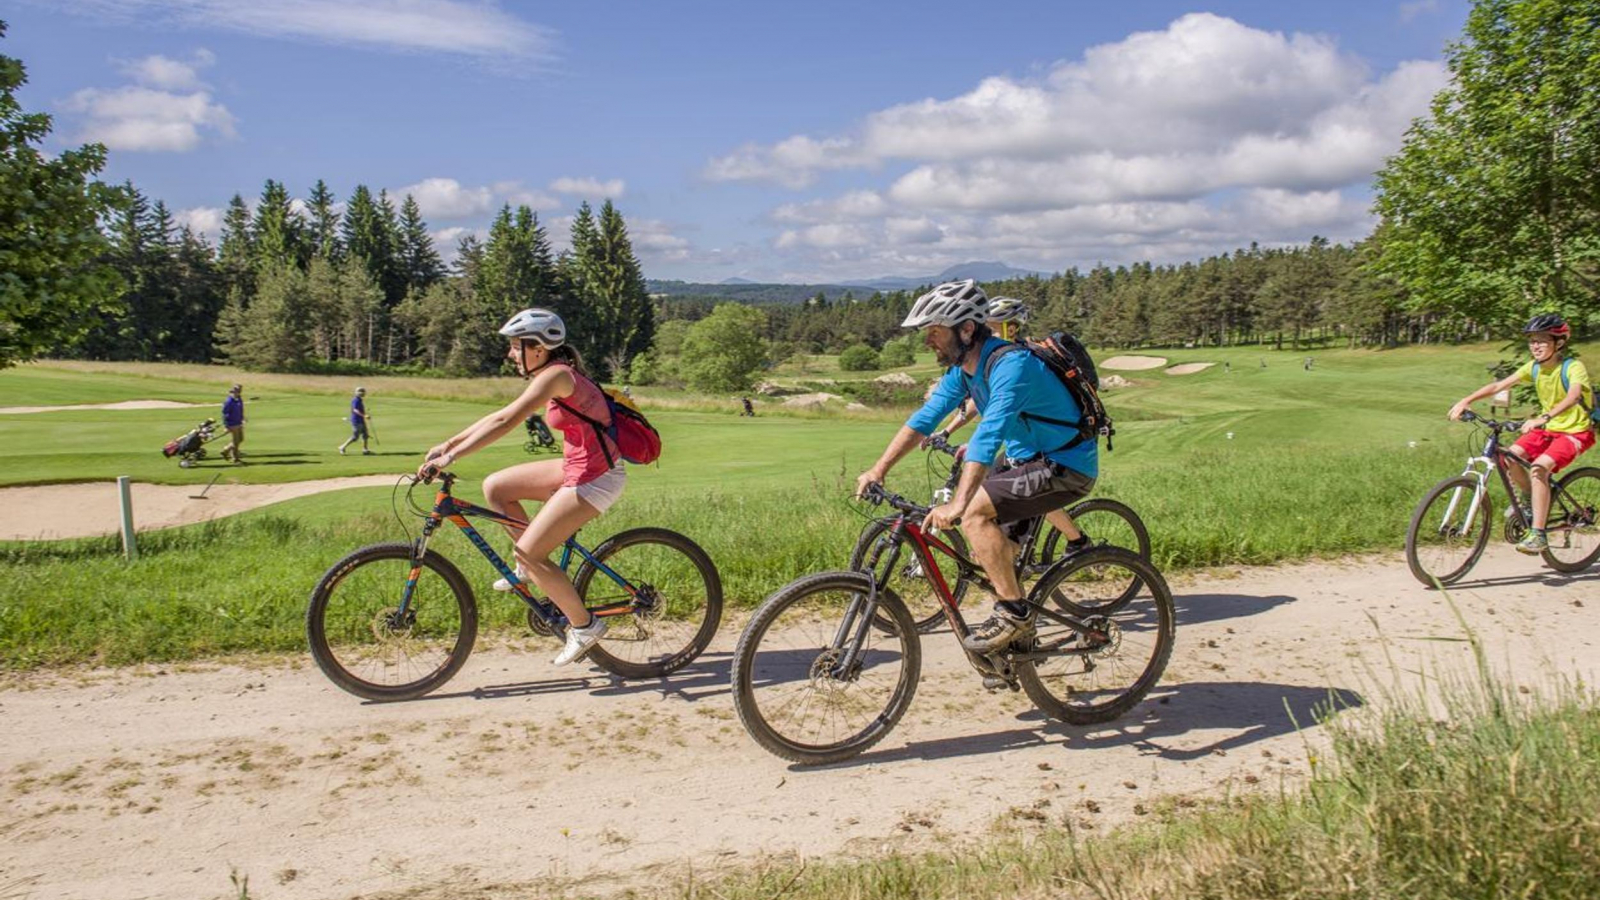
{"x": 995, "y": 682}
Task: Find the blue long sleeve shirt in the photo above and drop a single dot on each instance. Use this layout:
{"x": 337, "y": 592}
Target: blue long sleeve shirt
{"x": 1020, "y": 383}
{"x": 232, "y": 412}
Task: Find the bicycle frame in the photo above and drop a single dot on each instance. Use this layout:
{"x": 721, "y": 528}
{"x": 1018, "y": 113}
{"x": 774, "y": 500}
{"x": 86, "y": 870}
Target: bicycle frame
{"x": 1496, "y": 458}
{"x": 446, "y": 508}
{"x": 923, "y": 544}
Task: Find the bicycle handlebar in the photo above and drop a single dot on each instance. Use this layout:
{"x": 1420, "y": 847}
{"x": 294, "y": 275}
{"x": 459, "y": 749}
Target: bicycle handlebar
{"x": 941, "y": 442}
{"x": 1492, "y": 424}
{"x": 877, "y": 493}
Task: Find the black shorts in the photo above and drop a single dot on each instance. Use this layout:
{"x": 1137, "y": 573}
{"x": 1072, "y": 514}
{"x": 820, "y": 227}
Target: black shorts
{"x": 358, "y": 429}
{"x": 1033, "y": 489}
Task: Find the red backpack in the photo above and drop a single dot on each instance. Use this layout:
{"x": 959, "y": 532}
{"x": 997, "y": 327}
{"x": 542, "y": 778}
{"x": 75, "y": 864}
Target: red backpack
{"x": 636, "y": 440}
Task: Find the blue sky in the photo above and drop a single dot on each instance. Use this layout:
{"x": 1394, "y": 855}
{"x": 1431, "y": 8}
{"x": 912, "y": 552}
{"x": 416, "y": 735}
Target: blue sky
{"x": 819, "y": 141}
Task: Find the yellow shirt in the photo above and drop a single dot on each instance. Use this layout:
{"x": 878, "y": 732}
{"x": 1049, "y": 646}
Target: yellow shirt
{"x": 1551, "y": 392}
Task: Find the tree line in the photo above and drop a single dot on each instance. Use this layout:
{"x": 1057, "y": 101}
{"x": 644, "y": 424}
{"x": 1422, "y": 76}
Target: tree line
{"x": 308, "y": 286}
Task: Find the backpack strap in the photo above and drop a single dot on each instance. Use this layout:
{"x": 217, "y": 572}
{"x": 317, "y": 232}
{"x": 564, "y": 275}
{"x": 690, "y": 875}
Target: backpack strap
{"x": 600, "y": 428}
{"x": 988, "y": 370}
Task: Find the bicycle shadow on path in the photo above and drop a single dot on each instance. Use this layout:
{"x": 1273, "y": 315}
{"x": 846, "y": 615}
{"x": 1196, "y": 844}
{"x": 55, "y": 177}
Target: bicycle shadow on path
{"x": 1198, "y": 609}
{"x": 1542, "y": 577}
{"x": 706, "y": 677}
{"x": 1247, "y": 711}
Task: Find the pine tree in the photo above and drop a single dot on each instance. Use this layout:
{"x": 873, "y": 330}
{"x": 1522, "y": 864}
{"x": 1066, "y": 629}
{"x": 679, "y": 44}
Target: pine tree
{"x": 323, "y": 229}
{"x": 615, "y": 290}
{"x": 199, "y": 298}
{"x": 277, "y": 229}
{"x": 419, "y": 260}
{"x": 236, "y": 251}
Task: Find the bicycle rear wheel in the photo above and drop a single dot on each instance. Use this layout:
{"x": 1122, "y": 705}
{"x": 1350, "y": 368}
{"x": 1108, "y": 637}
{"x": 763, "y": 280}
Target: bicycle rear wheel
{"x": 367, "y": 646}
{"x": 1448, "y": 531}
{"x": 1081, "y": 679}
{"x": 909, "y": 582}
{"x": 1574, "y": 522}
{"x": 673, "y": 595}
{"x": 813, "y": 681}
{"x": 1107, "y": 523}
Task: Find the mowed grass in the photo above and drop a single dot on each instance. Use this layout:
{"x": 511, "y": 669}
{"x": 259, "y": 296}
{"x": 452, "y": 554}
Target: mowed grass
{"x": 1319, "y": 464}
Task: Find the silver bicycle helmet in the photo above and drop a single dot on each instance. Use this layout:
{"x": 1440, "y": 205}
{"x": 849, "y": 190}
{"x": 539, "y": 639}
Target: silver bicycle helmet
{"x": 951, "y": 303}
{"x": 1008, "y": 309}
{"x": 537, "y": 324}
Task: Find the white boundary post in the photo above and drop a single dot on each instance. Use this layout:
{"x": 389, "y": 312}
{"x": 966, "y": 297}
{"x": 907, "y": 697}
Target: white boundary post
{"x": 125, "y": 495}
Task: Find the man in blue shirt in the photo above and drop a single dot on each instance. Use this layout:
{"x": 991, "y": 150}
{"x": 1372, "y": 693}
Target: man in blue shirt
{"x": 358, "y": 422}
{"x": 1025, "y": 409}
{"x": 233, "y": 420}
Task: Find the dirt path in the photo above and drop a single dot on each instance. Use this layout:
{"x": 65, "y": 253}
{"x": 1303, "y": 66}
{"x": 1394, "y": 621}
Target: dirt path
{"x": 83, "y": 510}
{"x": 158, "y": 782}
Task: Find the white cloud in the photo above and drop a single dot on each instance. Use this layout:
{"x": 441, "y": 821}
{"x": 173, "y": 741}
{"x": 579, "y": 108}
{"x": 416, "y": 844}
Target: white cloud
{"x": 592, "y": 188}
{"x": 1164, "y": 145}
{"x": 141, "y": 118}
{"x": 446, "y": 198}
{"x": 455, "y": 27}
{"x": 1205, "y": 104}
{"x": 202, "y": 220}
{"x": 516, "y": 194}
{"x": 166, "y": 74}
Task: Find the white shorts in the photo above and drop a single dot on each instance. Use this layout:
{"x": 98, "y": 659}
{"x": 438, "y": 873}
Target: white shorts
{"x": 603, "y": 491}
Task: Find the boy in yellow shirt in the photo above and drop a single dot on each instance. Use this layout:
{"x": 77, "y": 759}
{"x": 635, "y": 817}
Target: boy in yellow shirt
{"x": 1553, "y": 439}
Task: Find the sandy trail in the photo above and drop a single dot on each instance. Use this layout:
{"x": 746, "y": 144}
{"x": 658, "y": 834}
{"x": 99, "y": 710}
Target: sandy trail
{"x": 83, "y": 510}
{"x": 1189, "y": 368}
{"x": 123, "y": 404}
{"x": 176, "y": 776}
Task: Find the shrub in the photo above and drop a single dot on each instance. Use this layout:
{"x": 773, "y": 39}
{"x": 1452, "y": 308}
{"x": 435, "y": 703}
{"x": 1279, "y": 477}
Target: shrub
{"x": 860, "y": 358}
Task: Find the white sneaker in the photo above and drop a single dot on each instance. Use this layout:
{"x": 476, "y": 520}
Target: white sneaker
{"x": 579, "y": 640}
{"x": 503, "y": 585}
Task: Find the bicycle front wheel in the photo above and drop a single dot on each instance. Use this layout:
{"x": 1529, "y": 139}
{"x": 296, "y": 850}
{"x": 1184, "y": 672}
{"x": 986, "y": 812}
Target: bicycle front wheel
{"x": 672, "y": 594}
{"x": 908, "y": 580}
{"x": 1083, "y": 679}
{"x": 1574, "y": 522}
{"x": 1107, "y": 523}
{"x": 1448, "y": 531}
{"x": 366, "y": 644}
{"x": 813, "y": 681}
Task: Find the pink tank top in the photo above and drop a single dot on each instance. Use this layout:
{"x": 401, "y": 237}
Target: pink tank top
{"x": 583, "y": 459}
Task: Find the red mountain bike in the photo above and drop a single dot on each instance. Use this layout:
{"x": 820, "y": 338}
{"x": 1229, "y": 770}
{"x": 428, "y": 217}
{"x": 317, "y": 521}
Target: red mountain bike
{"x": 829, "y": 663}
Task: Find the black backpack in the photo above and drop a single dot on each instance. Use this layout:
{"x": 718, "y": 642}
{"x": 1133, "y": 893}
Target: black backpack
{"x": 1066, "y": 357}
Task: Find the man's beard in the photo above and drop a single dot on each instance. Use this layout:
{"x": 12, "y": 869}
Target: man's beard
{"x": 946, "y": 356}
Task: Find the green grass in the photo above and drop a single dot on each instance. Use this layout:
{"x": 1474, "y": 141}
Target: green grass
{"x": 1319, "y": 465}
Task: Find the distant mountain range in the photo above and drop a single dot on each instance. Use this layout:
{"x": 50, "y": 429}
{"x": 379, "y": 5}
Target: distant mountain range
{"x": 980, "y": 270}
{"x": 745, "y": 290}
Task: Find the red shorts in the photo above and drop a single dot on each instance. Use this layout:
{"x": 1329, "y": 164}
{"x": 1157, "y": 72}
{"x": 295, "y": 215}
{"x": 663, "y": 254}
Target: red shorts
{"x": 1561, "y": 446}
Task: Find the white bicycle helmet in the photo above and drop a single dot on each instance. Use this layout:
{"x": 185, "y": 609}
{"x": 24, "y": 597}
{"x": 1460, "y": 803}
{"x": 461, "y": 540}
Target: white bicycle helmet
{"x": 537, "y": 324}
{"x": 949, "y": 304}
{"x": 1008, "y": 309}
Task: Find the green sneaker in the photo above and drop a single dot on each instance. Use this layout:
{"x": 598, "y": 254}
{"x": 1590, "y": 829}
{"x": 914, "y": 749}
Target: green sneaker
{"x": 1534, "y": 544}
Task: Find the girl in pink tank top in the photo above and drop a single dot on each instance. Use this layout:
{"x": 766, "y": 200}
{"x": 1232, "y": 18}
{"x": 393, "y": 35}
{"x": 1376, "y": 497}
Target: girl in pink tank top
{"x": 573, "y": 490}
{"x": 586, "y": 453}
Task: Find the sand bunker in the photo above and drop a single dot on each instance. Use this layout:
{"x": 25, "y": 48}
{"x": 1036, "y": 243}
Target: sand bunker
{"x": 1133, "y": 363}
{"x": 84, "y": 510}
{"x": 125, "y": 404}
{"x": 1189, "y": 368}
